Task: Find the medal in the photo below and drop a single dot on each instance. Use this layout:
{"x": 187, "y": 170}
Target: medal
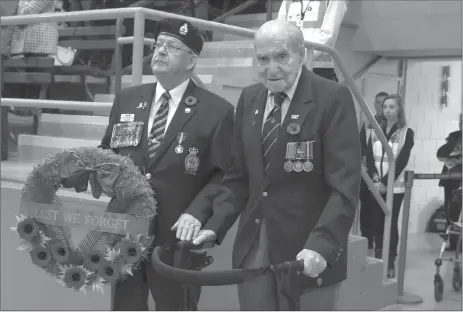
{"x": 298, "y": 166}
{"x": 307, "y": 166}
{"x": 288, "y": 166}
{"x": 290, "y": 156}
{"x": 180, "y": 138}
{"x": 192, "y": 161}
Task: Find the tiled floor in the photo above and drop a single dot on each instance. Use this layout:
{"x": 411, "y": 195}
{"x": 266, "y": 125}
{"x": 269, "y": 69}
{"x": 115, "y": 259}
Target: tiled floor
{"x": 423, "y": 249}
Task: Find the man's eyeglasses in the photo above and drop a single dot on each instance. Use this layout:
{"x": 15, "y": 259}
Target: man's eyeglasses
{"x": 170, "y": 47}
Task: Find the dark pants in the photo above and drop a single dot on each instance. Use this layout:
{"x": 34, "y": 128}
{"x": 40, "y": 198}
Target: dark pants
{"x": 452, "y": 210}
{"x": 379, "y": 226}
{"x": 132, "y": 293}
{"x": 327, "y": 73}
{"x": 367, "y": 205}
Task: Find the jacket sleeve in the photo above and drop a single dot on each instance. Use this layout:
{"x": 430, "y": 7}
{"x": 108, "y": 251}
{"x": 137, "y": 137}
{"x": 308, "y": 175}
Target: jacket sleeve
{"x": 220, "y": 160}
{"x": 231, "y": 196}
{"x": 342, "y": 172}
{"x": 403, "y": 157}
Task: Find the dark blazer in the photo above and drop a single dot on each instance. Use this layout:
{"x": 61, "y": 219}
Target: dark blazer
{"x": 312, "y": 210}
{"x": 208, "y": 127}
{"x": 451, "y": 142}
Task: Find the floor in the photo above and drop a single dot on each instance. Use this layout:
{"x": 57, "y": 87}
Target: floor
{"x": 422, "y": 250}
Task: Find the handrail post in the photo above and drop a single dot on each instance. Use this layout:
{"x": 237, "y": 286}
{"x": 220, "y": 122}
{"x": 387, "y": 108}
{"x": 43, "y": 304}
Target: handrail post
{"x": 269, "y": 10}
{"x": 388, "y": 217}
{"x": 118, "y": 57}
{"x": 405, "y": 298}
{"x": 138, "y": 46}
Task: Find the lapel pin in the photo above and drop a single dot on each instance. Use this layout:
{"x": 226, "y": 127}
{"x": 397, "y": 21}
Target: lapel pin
{"x": 256, "y": 112}
{"x": 190, "y": 100}
{"x": 142, "y": 105}
{"x": 294, "y": 116}
{"x": 187, "y": 110}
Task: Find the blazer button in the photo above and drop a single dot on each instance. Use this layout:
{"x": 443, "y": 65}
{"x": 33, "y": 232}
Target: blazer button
{"x": 265, "y": 194}
{"x": 148, "y": 175}
{"x": 319, "y": 281}
{"x": 257, "y": 221}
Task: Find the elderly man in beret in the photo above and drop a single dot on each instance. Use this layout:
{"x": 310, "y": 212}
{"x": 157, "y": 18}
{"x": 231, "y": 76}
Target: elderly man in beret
{"x": 181, "y": 143}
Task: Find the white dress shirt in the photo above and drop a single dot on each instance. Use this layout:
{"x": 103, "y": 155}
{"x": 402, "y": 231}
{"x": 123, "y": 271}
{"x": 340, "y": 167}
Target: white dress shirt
{"x": 176, "y": 95}
{"x": 285, "y": 105}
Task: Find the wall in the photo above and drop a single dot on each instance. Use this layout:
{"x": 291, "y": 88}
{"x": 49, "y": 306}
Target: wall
{"x": 432, "y": 123}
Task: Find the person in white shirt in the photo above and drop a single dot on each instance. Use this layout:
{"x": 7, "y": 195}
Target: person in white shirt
{"x": 319, "y": 21}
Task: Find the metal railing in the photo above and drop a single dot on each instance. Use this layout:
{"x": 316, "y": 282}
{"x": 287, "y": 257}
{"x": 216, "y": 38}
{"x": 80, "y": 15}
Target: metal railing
{"x": 139, "y": 15}
{"x": 402, "y": 296}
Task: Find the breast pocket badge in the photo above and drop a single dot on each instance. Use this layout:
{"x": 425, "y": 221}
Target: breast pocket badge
{"x": 192, "y": 161}
{"x": 126, "y": 134}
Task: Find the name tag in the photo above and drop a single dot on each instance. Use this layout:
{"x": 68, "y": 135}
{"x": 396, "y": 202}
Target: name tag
{"x": 127, "y": 117}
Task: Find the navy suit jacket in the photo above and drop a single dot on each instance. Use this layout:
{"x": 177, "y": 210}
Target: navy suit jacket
{"x": 312, "y": 210}
{"x": 208, "y": 126}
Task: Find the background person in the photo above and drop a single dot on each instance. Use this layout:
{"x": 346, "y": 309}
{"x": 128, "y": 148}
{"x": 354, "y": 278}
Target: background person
{"x": 401, "y": 140}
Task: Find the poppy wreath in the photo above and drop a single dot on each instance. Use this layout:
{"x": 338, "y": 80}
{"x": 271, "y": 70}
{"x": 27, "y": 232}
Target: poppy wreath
{"x": 113, "y": 241}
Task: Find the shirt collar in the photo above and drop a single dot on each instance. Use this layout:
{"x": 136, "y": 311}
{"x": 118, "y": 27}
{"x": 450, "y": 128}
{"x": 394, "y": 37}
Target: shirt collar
{"x": 290, "y": 92}
{"x": 176, "y": 93}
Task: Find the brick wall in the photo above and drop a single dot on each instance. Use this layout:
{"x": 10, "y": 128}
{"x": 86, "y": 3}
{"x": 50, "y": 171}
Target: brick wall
{"x": 431, "y": 122}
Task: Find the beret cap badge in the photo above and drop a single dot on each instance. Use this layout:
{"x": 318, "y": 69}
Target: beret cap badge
{"x": 184, "y": 29}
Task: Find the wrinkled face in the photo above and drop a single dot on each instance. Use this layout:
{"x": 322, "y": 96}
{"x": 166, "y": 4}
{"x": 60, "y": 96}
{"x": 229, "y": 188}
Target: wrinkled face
{"x": 379, "y": 104}
{"x": 277, "y": 64}
{"x": 171, "y": 56}
{"x": 391, "y": 109}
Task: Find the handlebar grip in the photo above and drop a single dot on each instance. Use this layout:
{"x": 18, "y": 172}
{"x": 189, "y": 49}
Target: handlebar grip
{"x": 297, "y": 265}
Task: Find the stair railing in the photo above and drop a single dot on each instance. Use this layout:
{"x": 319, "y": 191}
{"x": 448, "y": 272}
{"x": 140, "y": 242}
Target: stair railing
{"x": 139, "y": 15}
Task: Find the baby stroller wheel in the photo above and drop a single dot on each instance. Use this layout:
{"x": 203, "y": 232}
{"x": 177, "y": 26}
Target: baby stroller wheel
{"x": 438, "y": 288}
{"x": 456, "y": 278}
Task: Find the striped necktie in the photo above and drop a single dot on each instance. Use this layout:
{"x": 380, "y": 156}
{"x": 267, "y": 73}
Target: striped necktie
{"x": 272, "y": 127}
{"x": 159, "y": 125}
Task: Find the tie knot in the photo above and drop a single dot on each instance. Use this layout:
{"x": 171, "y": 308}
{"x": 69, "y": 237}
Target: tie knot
{"x": 165, "y": 96}
{"x": 279, "y": 98}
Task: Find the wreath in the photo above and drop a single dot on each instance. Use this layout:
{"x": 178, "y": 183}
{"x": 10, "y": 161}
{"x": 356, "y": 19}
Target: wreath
{"x": 113, "y": 241}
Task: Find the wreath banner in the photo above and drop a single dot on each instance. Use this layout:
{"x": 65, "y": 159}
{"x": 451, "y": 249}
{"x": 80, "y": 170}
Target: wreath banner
{"x": 86, "y": 246}
{"x": 108, "y": 222}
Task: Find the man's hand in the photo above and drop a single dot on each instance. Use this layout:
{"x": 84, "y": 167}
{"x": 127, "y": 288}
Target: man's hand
{"x": 187, "y": 227}
{"x": 205, "y": 236}
{"x": 314, "y": 264}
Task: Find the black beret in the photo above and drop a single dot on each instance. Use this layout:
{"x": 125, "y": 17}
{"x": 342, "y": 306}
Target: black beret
{"x": 182, "y": 30}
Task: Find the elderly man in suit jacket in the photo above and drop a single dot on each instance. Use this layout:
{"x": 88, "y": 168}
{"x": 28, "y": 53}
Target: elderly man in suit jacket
{"x": 295, "y": 176}
{"x": 180, "y": 136}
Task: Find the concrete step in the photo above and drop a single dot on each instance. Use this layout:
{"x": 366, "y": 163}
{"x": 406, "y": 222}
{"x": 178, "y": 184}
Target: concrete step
{"x": 35, "y": 148}
{"x": 73, "y": 126}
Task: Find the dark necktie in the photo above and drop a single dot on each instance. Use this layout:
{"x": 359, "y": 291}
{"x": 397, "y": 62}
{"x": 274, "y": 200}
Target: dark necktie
{"x": 272, "y": 127}
{"x": 159, "y": 125}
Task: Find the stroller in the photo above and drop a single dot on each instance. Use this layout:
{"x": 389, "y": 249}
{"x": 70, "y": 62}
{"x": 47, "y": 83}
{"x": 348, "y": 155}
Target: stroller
{"x": 453, "y": 229}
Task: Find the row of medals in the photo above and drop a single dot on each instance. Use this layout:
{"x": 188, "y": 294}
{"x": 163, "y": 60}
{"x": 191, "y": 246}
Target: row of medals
{"x": 298, "y": 155}
{"x": 298, "y": 166}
